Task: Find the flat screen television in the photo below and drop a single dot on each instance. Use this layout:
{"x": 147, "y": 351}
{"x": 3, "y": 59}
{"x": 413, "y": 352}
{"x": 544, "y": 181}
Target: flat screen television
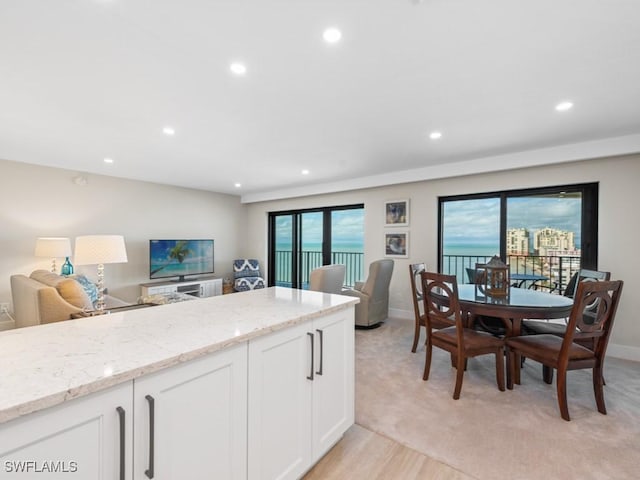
{"x": 180, "y": 258}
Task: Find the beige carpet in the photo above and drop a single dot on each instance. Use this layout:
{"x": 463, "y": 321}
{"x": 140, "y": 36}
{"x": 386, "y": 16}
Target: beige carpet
{"x": 490, "y": 434}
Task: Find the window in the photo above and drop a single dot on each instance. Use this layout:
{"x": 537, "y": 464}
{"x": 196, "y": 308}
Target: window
{"x": 302, "y": 240}
{"x": 550, "y": 232}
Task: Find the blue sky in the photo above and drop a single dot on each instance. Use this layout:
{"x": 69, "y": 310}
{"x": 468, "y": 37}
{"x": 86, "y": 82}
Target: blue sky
{"x": 347, "y": 227}
{"x": 477, "y": 221}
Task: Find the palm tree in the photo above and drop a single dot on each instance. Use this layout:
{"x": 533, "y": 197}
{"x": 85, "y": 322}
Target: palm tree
{"x": 179, "y": 253}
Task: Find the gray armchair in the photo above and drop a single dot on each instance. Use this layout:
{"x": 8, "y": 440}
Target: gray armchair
{"x": 373, "y": 308}
{"x": 328, "y": 279}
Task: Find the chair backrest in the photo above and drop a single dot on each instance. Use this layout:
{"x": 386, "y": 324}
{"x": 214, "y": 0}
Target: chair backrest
{"x": 441, "y": 301}
{"x": 495, "y": 280}
{"x": 246, "y": 267}
{"x": 472, "y": 275}
{"x": 593, "y": 313}
{"x": 584, "y": 275}
{"x": 415, "y": 271}
{"x": 377, "y": 284}
{"x": 328, "y": 279}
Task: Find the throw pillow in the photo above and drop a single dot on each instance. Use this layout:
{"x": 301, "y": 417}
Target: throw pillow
{"x": 73, "y": 293}
{"x": 48, "y": 278}
{"x": 90, "y": 288}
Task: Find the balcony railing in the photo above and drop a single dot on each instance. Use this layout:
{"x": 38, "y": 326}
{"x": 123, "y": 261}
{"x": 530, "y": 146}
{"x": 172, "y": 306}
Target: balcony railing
{"x": 312, "y": 260}
{"x": 558, "y": 269}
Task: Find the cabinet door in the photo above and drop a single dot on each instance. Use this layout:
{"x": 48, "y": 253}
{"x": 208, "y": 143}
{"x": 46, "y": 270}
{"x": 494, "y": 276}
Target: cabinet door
{"x": 81, "y": 438}
{"x": 199, "y": 412}
{"x": 333, "y": 387}
{"x": 279, "y": 404}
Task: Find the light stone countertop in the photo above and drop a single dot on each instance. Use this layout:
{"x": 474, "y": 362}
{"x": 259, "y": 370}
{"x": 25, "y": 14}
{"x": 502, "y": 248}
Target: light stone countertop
{"x": 46, "y": 365}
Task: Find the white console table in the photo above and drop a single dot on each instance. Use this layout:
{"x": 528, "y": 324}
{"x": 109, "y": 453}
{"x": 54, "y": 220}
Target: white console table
{"x": 201, "y": 287}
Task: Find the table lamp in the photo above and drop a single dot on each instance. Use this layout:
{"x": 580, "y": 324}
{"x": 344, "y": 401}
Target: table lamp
{"x": 55, "y": 247}
{"x": 98, "y": 250}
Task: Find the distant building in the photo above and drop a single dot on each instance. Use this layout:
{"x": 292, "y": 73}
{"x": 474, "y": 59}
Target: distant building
{"x": 552, "y": 241}
{"x": 517, "y": 241}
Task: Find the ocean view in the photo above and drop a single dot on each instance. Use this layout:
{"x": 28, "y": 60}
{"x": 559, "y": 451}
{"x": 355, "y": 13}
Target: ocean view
{"x": 471, "y": 250}
{"x": 317, "y": 247}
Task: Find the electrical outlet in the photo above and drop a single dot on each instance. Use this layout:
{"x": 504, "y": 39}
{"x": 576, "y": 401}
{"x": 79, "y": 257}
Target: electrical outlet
{"x": 4, "y": 308}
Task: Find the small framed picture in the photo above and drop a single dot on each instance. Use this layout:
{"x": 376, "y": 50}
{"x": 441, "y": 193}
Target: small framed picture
{"x": 396, "y": 213}
{"x": 396, "y": 244}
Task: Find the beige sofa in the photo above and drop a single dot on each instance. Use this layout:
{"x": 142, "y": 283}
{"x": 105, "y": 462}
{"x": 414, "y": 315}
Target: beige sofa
{"x": 46, "y": 297}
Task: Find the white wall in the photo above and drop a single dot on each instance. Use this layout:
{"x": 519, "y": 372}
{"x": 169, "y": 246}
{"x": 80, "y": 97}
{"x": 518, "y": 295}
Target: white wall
{"x": 619, "y": 225}
{"x": 41, "y": 201}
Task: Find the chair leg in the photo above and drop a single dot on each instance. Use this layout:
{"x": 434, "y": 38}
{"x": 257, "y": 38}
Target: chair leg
{"x": 561, "y": 385}
{"x": 547, "y": 374}
{"x": 500, "y": 369}
{"x": 511, "y": 357}
{"x": 427, "y": 361}
{"x": 416, "y": 337}
{"x": 598, "y": 382}
{"x": 459, "y": 377}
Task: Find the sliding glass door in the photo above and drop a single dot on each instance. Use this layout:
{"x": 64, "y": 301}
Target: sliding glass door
{"x": 548, "y": 232}
{"x": 302, "y": 240}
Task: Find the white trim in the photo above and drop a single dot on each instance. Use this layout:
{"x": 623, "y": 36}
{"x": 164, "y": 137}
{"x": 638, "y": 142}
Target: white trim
{"x": 402, "y": 314}
{"x": 625, "y": 352}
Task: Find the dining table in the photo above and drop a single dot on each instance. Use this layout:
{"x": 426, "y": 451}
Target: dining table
{"x": 518, "y": 304}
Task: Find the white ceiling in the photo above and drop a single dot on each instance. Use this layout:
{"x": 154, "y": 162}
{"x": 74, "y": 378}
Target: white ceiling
{"x": 81, "y": 80}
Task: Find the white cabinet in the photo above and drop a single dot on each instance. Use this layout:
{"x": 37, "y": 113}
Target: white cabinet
{"x": 191, "y": 420}
{"x": 203, "y": 287}
{"x": 301, "y": 395}
{"x": 89, "y": 437}
{"x": 333, "y": 387}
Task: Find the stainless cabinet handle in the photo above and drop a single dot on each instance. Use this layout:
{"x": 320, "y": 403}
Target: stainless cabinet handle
{"x": 152, "y": 421}
{"x": 320, "y": 332}
{"x": 310, "y": 376}
{"x": 120, "y": 411}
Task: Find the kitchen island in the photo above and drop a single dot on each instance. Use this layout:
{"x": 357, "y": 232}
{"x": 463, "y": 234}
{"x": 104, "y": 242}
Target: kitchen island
{"x": 252, "y": 385}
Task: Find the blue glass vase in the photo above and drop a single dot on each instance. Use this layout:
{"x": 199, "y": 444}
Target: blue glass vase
{"x": 67, "y": 268}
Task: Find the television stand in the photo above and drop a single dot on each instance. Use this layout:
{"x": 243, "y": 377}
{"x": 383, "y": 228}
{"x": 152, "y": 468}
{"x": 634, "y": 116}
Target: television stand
{"x": 201, "y": 287}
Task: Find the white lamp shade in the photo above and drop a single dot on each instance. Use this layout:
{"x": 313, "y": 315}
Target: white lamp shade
{"x": 53, "y": 247}
{"x": 98, "y": 249}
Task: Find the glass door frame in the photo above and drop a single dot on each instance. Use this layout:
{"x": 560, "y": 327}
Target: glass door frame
{"x": 297, "y": 239}
{"x": 589, "y": 217}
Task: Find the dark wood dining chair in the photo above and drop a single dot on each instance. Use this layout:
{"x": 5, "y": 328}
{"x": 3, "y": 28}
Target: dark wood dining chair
{"x": 442, "y": 305}
{"x": 592, "y": 317}
{"x": 416, "y": 269}
{"x": 493, "y": 325}
{"x": 543, "y": 327}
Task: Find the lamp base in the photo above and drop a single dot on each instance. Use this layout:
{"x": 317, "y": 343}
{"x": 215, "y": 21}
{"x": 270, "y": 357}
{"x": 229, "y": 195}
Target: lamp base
{"x": 100, "y": 303}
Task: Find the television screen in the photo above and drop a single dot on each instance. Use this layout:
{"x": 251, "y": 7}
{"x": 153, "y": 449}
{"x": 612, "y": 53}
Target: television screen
{"x": 179, "y": 258}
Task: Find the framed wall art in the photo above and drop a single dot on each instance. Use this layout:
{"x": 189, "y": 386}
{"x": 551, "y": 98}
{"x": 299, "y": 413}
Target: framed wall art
{"x": 396, "y": 213}
{"x": 396, "y": 244}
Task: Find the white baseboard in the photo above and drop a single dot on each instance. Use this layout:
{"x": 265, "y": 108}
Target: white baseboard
{"x": 625, "y": 352}
{"x": 403, "y": 314}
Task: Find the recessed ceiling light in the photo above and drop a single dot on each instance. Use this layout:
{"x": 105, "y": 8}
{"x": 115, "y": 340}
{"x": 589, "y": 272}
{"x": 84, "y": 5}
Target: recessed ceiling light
{"x": 238, "y": 68}
{"x": 108, "y": 160}
{"x": 332, "y": 35}
{"x": 168, "y": 131}
{"x": 237, "y": 185}
{"x": 305, "y": 172}
{"x": 564, "y": 106}
{"x": 435, "y": 135}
